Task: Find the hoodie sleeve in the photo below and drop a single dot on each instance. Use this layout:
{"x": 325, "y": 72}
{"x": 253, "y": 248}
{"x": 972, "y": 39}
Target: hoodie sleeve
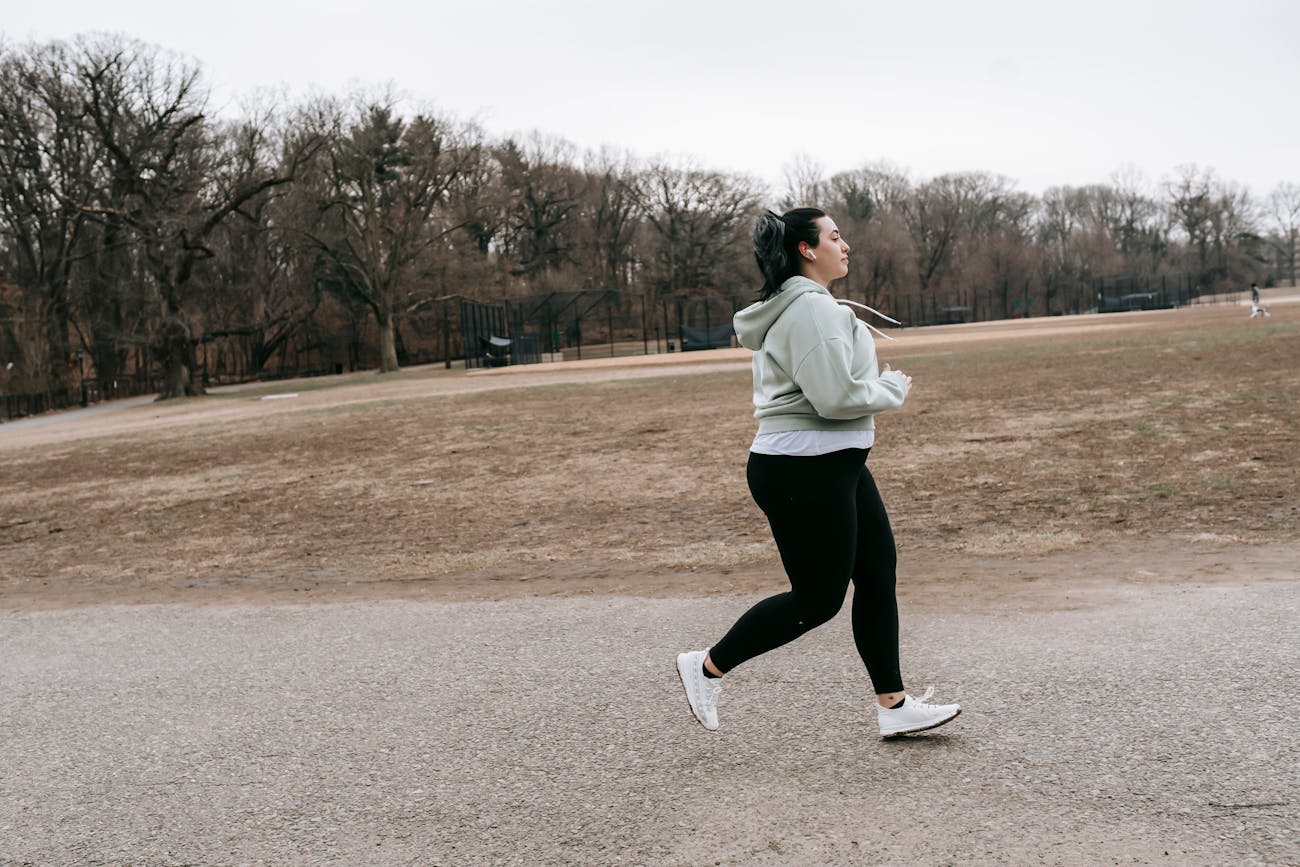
{"x": 826, "y": 372}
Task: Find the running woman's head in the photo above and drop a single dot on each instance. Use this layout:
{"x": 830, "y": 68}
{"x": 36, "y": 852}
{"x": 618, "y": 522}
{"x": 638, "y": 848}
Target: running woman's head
{"x": 804, "y": 241}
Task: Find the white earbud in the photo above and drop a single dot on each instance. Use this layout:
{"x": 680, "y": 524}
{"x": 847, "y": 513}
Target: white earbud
{"x": 812, "y": 257}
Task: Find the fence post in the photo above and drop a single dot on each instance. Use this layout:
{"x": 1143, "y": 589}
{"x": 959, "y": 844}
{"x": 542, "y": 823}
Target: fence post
{"x": 645, "y": 334}
{"x": 681, "y": 335}
{"x": 446, "y": 337}
{"x": 551, "y": 336}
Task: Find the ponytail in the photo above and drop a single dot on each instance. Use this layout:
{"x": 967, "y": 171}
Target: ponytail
{"x": 776, "y": 245}
{"x": 769, "y": 252}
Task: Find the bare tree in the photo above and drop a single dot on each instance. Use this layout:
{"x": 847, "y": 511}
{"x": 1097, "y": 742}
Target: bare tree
{"x": 699, "y": 221}
{"x": 1284, "y": 208}
{"x": 1191, "y": 204}
{"x": 867, "y": 204}
{"x": 1076, "y": 238}
{"x": 612, "y": 213}
{"x": 949, "y": 215}
{"x": 47, "y": 176}
{"x": 130, "y": 221}
{"x": 1219, "y": 221}
{"x": 1062, "y": 232}
{"x": 805, "y": 183}
{"x": 861, "y": 194}
{"x": 1134, "y": 219}
{"x": 169, "y": 182}
{"x": 384, "y": 188}
{"x": 261, "y": 288}
{"x": 480, "y": 203}
{"x": 543, "y": 194}
{"x": 23, "y": 346}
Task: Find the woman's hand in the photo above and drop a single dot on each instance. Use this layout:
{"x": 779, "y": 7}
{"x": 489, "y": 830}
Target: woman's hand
{"x": 889, "y": 369}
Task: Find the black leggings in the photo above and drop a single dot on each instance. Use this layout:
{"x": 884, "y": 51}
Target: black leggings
{"x": 830, "y": 526}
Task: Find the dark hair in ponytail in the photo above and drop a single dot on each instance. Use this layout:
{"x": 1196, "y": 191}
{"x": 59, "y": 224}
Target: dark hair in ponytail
{"x": 776, "y": 245}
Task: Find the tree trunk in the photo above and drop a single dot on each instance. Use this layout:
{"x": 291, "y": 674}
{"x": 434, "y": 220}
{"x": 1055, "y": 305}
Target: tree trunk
{"x": 387, "y": 342}
{"x": 1290, "y": 253}
{"x": 107, "y": 360}
{"x": 175, "y": 352}
{"x": 106, "y": 330}
{"x": 56, "y": 341}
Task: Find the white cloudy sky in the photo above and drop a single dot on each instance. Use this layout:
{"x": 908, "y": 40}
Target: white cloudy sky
{"x": 1045, "y": 93}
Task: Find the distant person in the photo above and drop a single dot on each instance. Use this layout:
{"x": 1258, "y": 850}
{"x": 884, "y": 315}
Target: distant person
{"x": 1256, "y": 309}
{"x": 817, "y": 389}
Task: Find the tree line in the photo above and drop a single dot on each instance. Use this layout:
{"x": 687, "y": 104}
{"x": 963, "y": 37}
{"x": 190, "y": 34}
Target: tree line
{"x": 136, "y": 226}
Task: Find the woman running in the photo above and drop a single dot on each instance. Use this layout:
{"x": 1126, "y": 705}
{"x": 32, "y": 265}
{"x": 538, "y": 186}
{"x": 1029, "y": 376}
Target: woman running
{"x": 816, "y": 390}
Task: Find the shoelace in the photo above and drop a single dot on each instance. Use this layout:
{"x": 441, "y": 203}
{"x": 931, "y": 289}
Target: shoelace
{"x": 925, "y": 696}
{"x": 710, "y": 691}
{"x": 871, "y": 310}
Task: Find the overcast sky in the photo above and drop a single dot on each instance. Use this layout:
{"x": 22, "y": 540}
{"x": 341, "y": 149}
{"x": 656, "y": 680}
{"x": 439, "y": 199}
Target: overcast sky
{"x": 1045, "y": 93}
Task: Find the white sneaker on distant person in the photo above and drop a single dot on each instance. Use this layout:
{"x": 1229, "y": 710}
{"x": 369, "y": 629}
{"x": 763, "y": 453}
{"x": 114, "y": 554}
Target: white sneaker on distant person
{"x": 701, "y": 692}
{"x": 915, "y": 715}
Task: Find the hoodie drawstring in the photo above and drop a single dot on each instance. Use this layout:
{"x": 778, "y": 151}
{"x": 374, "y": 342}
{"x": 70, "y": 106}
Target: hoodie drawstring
{"x": 871, "y": 310}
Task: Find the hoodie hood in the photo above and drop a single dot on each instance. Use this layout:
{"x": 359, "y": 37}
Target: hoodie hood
{"x": 753, "y": 323}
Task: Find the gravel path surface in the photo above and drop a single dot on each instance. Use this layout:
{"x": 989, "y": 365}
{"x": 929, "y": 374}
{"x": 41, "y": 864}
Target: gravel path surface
{"x": 1159, "y": 727}
{"x": 74, "y": 416}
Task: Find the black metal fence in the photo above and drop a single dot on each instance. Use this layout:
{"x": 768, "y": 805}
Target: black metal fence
{"x": 1024, "y": 298}
{"x": 603, "y": 323}
{"x": 493, "y": 335}
{"x": 89, "y": 391}
{"x": 573, "y": 325}
{"x": 600, "y": 323}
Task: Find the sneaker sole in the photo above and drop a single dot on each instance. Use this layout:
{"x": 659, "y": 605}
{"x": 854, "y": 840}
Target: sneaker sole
{"x": 686, "y": 691}
{"x": 923, "y": 728}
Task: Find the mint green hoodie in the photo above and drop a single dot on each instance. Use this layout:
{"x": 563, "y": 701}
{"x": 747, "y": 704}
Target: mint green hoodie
{"x": 814, "y": 363}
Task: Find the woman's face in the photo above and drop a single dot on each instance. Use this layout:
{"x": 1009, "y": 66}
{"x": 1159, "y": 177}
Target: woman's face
{"x": 831, "y": 255}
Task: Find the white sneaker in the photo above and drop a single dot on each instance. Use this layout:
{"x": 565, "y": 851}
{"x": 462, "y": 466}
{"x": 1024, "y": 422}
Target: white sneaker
{"x": 701, "y": 692}
{"x": 915, "y": 715}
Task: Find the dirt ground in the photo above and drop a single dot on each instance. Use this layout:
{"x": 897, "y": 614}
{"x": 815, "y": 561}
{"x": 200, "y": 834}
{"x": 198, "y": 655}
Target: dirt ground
{"x": 1033, "y": 458}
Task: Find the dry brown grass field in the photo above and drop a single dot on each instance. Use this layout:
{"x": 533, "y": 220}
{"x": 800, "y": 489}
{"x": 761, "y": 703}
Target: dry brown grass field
{"x": 1143, "y": 446}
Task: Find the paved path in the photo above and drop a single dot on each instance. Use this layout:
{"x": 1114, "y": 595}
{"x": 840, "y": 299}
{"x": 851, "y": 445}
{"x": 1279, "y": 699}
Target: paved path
{"x": 1157, "y": 729}
{"x": 69, "y": 416}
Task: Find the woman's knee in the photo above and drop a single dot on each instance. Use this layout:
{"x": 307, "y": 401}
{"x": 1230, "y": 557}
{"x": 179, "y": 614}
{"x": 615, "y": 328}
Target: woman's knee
{"x": 814, "y": 609}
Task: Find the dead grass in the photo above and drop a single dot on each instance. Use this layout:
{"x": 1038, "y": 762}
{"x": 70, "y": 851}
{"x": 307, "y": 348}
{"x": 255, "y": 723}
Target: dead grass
{"x": 1020, "y": 443}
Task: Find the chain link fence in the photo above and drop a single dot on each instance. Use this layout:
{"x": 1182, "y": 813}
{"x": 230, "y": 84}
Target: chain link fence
{"x": 564, "y": 326}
